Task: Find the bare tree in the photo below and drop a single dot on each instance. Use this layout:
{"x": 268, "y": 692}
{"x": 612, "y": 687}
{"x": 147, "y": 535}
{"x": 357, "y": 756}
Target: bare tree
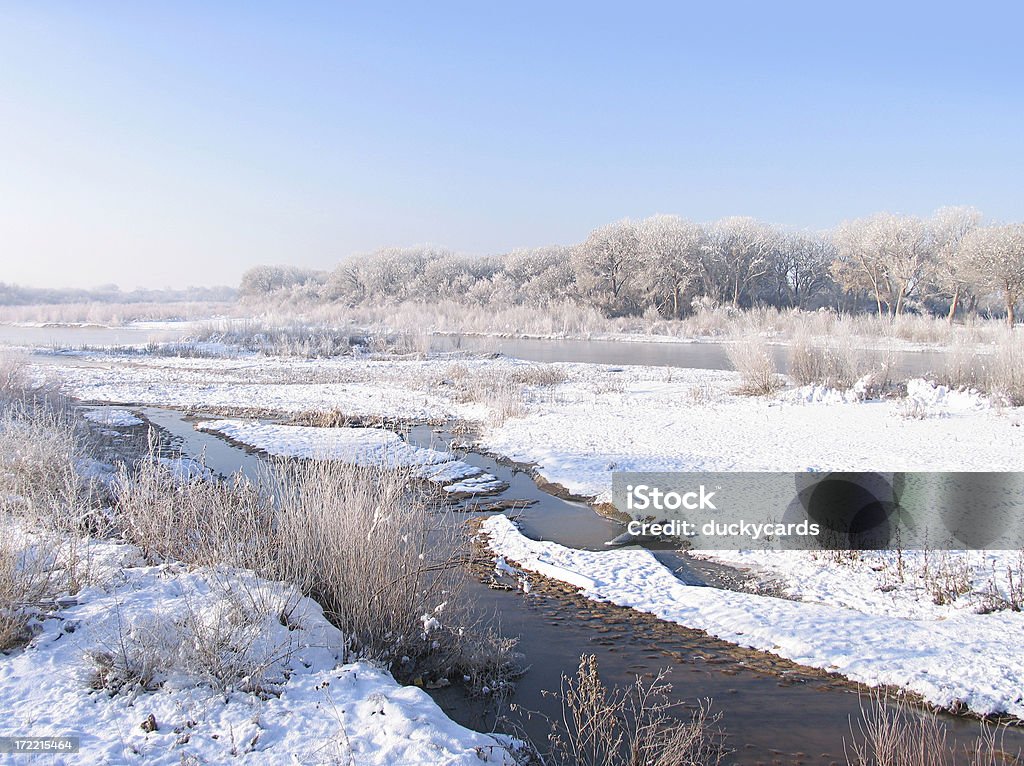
{"x": 670, "y": 251}
{"x": 606, "y": 266}
{"x": 799, "y": 268}
{"x": 951, "y": 274}
{"x": 736, "y": 256}
{"x": 995, "y": 255}
{"x": 886, "y": 255}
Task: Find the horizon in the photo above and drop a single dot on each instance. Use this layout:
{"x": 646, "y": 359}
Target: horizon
{"x": 156, "y": 148}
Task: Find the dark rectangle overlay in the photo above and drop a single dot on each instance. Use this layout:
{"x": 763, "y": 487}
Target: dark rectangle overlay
{"x": 825, "y": 511}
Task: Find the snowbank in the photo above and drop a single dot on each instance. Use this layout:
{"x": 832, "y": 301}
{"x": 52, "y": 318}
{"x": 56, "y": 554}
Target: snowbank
{"x": 113, "y": 417}
{"x": 359, "y": 446}
{"x": 966, "y": 659}
{"x": 234, "y": 669}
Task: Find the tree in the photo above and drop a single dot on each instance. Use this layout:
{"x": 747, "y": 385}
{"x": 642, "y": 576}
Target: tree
{"x": 670, "y": 251}
{"x": 264, "y": 280}
{"x": 884, "y": 254}
{"x": 606, "y": 266}
{"x": 951, "y": 273}
{"x": 735, "y": 256}
{"x": 995, "y": 257}
{"x": 800, "y": 267}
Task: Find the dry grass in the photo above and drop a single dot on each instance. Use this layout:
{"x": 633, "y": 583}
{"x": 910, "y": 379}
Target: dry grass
{"x": 636, "y": 725}
{"x": 835, "y": 361}
{"x": 891, "y": 734}
{"x": 196, "y": 521}
{"x": 367, "y": 543}
{"x": 371, "y": 549}
{"x": 222, "y": 643}
{"x": 96, "y": 312}
{"x": 568, "y": 319}
{"x": 43, "y": 500}
{"x": 752, "y": 360}
{"x": 281, "y": 337}
{"x": 505, "y": 391}
{"x": 997, "y": 369}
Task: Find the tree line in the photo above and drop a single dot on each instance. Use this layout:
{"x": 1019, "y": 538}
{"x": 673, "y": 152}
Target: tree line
{"x": 949, "y": 263}
{"x": 18, "y": 295}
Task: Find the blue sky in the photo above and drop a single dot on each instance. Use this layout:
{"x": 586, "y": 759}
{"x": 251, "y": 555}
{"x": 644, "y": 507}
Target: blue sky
{"x": 179, "y": 143}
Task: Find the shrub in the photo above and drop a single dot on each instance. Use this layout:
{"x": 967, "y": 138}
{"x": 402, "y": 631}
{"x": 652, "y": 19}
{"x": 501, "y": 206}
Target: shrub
{"x": 752, "y": 360}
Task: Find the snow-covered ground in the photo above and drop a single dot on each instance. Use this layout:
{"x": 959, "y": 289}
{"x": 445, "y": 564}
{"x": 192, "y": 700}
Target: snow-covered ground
{"x": 114, "y": 417}
{"x": 231, "y": 668}
{"x": 359, "y": 446}
{"x": 601, "y": 418}
{"x": 692, "y": 422}
{"x": 958, "y": 659}
{"x": 914, "y": 584}
{"x": 849, "y": 617}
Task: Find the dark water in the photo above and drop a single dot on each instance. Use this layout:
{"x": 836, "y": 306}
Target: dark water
{"x": 772, "y": 711}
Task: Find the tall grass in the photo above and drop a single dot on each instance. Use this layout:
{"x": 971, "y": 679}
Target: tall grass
{"x": 43, "y": 500}
{"x": 835, "y": 361}
{"x": 631, "y": 726}
{"x": 567, "y": 319}
{"x": 99, "y": 313}
{"x": 997, "y": 369}
{"x": 891, "y": 734}
{"x": 752, "y": 360}
{"x": 374, "y": 549}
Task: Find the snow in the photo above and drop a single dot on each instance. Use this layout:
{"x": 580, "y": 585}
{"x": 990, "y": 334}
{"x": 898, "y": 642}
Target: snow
{"x": 407, "y": 390}
{"x": 964, "y": 659}
{"x": 855, "y": 618}
{"x": 943, "y": 400}
{"x": 692, "y": 422}
{"x": 113, "y": 417}
{"x": 359, "y": 446}
{"x": 290, "y": 695}
{"x": 888, "y": 582}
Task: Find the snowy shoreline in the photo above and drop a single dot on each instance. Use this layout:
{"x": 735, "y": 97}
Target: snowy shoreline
{"x": 963, "y": 662}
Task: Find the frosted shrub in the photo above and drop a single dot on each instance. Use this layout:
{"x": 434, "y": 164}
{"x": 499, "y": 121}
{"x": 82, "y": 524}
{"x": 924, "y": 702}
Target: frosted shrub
{"x": 751, "y": 359}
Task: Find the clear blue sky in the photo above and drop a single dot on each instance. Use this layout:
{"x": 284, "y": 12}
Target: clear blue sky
{"x": 179, "y": 143}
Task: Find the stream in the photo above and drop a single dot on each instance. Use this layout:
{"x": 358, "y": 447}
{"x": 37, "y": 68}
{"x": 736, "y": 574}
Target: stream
{"x": 773, "y": 712}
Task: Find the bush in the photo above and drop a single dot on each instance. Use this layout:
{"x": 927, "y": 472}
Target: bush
{"x": 751, "y": 359}
{"x": 368, "y": 543}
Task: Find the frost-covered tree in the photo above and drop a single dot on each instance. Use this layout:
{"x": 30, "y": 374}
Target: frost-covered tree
{"x": 995, "y": 258}
{"x": 800, "y": 269}
{"x": 606, "y": 267}
{"x": 736, "y": 256}
{"x": 669, "y": 255}
{"x": 951, "y": 274}
{"x": 886, "y": 255}
{"x": 542, "y": 275}
{"x": 261, "y": 281}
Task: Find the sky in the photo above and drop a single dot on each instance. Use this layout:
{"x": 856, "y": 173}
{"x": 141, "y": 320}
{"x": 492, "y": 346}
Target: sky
{"x": 172, "y": 144}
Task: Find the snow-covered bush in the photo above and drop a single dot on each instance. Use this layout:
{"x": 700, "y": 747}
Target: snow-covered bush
{"x": 751, "y": 358}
